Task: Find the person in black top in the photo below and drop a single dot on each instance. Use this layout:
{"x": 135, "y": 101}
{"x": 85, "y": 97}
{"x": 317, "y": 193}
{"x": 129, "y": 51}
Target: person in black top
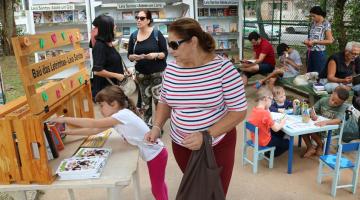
{"x": 341, "y": 67}
{"x": 148, "y": 48}
{"x": 107, "y": 62}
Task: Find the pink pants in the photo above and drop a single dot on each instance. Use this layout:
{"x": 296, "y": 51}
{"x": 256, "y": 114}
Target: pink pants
{"x": 156, "y": 168}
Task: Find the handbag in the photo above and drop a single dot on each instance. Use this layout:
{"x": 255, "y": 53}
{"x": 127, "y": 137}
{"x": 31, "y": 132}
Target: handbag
{"x": 128, "y": 84}
{"x": 201, "y": 179}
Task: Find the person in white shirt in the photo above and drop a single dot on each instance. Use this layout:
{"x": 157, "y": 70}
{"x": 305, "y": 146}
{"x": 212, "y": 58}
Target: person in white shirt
{"x": 120, "y": 113}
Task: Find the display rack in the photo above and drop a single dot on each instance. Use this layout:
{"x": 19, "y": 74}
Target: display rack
{"x": 220, "y": 18}
{"x": 23, "y": 154}
{"x": 45, "y": 16}
{"x": 163, "y": 12}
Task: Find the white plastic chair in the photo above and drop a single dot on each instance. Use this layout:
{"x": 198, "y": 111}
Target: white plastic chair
{"x": 258, "y": 151}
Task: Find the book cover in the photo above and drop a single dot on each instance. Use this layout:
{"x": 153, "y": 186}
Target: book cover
{"x": 56, "y": 137}
{"x": 93, "y": 152}
{"x": 233, "y": 27}
{"x": 48, "y": 17}
{"x": 155, "y": 14}
{"x": 233, "y": 44}
{"x": 59, "y": 16}
{"x": 80, "y": 166}
{"x": 220, "y": 12}
{"x": 223, "y": 44}
{"x": 162, "y": 14}
{"x": 48, "y": 149}
{"x": 217, "y": 28}
{"x": 209, "y": 28}
{"x": 47, "y": 132}
{"x": 69, "y": 16}
{"x": 41, "y": 56}
{"x": 82, "y": 15}
{"x": 127, "y": 16}
{"x": 206, "y": 12}
{"x": 163, "y": 29}
{"x": 38, "y": 17}
{"x": 213, "y": 12}
{"x": 97, "y": 140}
{"x": 126, "y": 30}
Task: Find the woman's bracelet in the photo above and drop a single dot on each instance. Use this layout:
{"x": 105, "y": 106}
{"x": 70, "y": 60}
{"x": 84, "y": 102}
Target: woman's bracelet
{"x": 154, "y": 126}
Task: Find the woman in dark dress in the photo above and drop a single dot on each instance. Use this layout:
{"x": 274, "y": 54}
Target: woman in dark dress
{"x": 107, "y": 62}
{"x": 147, "y": 47}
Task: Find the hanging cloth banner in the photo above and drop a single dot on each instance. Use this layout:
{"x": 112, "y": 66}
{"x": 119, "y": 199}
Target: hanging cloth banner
{"x": 140, "y": 5}
{"x": 53, "y": 7}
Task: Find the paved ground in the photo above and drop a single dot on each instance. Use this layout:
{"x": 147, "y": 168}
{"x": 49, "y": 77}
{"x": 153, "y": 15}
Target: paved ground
{"x": 273, "y": 184}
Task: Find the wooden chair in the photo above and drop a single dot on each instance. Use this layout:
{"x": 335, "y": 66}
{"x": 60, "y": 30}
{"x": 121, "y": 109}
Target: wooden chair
{"x": 258, "y": 151}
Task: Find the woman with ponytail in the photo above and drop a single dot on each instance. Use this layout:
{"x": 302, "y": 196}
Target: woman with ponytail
{"x": 201, "y": 92}
{"x": 121, "y": 113}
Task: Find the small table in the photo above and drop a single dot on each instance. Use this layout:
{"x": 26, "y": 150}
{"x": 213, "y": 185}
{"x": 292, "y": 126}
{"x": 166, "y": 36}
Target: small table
{"x": 295, "y": 127}
{"x": 120, "y": 169}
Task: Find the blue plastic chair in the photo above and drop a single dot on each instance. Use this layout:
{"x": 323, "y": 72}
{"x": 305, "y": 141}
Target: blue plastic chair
{"x": 258, "y": 151}
{"x": 337, "y": 162}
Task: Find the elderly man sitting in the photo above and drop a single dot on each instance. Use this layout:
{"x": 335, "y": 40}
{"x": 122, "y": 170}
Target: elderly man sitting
{"x": 342, "y": 67}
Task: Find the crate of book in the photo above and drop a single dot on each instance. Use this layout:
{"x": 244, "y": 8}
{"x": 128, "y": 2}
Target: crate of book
{"x": 86, "y": 163}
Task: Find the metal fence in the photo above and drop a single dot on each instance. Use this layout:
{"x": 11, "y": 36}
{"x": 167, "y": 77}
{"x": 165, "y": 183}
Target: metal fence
{"x": 280, "y": 21}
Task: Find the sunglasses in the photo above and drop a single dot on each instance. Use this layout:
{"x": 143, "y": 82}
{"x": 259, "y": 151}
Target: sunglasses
{"x": 175, "y": 44}
{"x": 141, "y": 18}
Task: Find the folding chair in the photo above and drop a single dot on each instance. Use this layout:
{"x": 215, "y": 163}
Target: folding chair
{"x": 258, "y": 151}
{"x": 337, "y": 162}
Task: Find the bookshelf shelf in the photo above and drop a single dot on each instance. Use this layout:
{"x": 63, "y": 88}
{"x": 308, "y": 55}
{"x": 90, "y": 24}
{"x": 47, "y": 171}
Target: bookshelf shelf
{"x": 220, "y": 19}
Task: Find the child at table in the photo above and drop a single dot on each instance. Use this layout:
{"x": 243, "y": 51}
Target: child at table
{"x": 121, "y": 114}
{"x": 333, "y": 108}
{"x": 280, "y": 103}
{"x": 261, "y": 118}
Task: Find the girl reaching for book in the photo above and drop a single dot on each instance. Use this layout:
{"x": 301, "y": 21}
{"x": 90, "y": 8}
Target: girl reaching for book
{"x": 120, "y": 113}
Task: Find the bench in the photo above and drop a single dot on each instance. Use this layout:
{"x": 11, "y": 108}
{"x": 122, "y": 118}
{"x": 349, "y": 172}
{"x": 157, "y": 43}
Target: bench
{"x": 305, "y": 91}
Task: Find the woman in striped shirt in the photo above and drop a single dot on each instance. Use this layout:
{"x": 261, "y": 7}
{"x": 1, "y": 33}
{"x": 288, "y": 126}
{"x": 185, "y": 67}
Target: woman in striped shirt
{"x": 200, "y": 92}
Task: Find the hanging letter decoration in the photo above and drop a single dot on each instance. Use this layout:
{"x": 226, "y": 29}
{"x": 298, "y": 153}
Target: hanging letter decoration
{"x": 63, "y": 35}
{"x": 42, "y": 43}
{"x": 81, "y": 80}
{"x": 53, "y": 38}
{"x": 71, "y": 38}
{"x": 58, "y": 93}
{"x": 44, "y": 96}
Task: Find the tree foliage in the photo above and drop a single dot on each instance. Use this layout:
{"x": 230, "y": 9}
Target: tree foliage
{"x": 8, "y": 26}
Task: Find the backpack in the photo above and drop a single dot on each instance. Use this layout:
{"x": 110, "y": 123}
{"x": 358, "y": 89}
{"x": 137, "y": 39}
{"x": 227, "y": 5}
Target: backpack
{"x": 134, "y": 35}
{"x": 352, "y": 125}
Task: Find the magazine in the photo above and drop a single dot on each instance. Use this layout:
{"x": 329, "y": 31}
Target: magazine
{"x": 223, "y": 44}
{"x": 233, "y": 44}
{"x": 155, "y": 14}
{"x": 93, "y": 152}
{"x": 97, "y": 140}
{"x": 163, "y": 29}
{"x": 209, "y": 28}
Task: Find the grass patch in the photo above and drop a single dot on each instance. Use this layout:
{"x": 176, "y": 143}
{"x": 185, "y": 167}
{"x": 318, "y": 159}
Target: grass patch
{"x": 12, "y": 82}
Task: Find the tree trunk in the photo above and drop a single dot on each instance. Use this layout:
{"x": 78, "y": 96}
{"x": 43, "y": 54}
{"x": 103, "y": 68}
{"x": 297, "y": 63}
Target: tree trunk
{"x": 8, "y": 28}
{"x": 259, "y": 19}
{"x": 339, "y": 30}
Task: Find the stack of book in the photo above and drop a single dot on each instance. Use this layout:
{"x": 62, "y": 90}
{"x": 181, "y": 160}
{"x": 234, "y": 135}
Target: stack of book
{"x": 86, "y": 163}
{"x": 319, "y": 88}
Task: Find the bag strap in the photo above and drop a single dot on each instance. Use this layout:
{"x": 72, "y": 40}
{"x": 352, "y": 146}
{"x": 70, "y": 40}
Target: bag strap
{"x": 207, "y": 144}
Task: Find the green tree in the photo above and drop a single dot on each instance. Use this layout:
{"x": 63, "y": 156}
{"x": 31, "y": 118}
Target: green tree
{"x": 8, "y": 26}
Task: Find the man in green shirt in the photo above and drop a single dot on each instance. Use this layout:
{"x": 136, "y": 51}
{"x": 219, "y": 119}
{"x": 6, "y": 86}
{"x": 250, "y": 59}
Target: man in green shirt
{"x": 333, "y": 108}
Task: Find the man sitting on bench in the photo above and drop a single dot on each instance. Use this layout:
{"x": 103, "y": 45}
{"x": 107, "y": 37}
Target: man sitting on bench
{"x": 264, "y": 56}
{"x": 290, "y": 65}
